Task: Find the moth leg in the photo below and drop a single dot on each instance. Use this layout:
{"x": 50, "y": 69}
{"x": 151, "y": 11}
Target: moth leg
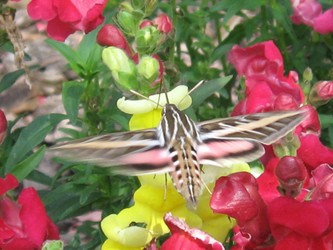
{"x": 203, "y": 182}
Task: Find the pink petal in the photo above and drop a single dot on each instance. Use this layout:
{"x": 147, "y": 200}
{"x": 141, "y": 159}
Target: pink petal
{"x": 256, "y": 59}
{"x": 288, "y": 215}
{"x": 33, "y": 216}
{"x": 232, "y": 198}
{"x": 305, "y": 11}
{"x": 323, "y": 24}
{"x": 313, "y": 152}
{"x": 41, "y": 9}
{"x": 8, "y": 183}
{"x": 60, "y": 34}
{"x": 184, "y": 237}
{"x": 67, "y": 11}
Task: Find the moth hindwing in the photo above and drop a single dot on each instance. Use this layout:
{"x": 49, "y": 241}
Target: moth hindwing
{"x": 179, "y": 146}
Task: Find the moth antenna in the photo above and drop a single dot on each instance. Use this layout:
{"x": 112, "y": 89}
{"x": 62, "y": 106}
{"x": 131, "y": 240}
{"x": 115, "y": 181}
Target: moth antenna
{"x": 160, "y": 90}
{"x": 196, "y": 86}
{"x": 144, "y": 97}
{"x": 166, "y": 95}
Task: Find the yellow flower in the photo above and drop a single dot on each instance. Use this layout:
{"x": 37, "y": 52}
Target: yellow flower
{"x": 152, "y": 201}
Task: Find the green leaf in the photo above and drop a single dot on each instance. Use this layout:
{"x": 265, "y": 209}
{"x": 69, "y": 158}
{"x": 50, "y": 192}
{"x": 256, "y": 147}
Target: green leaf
{"x": 70, "y": 54}
{"x": 207, "y": 89}
{"x": 71, "y": 94}
{"x": 24, "y": 168}
{"x": 40, "y": 177}
{"x": 30, "y": 137}
{"x": 9, "y": 79}
{"x": 220, "y": 51}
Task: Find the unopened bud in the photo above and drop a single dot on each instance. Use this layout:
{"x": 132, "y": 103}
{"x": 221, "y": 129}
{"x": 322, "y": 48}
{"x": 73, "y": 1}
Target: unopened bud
{"x": 291, "y": 174}
{"x": 129, "y": 21}
{"x": 321, "y": 93}
{"x": 110, "y": 35}
{"x": 148, "y": 69}
{"x": 163, "y": 23}
{"x": 147, "y": 39}
{"x": 122, "y": 68}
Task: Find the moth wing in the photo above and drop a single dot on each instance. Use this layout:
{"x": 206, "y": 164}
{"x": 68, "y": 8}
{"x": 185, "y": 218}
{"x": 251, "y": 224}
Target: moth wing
{"x": 265, "y": 128}
{"x": 226, "y": 151}
{"x": 128, "y": 153}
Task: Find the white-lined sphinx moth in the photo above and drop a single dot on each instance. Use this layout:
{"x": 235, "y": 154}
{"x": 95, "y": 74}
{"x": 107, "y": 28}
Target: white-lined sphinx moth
{"x": 179, "y": 146}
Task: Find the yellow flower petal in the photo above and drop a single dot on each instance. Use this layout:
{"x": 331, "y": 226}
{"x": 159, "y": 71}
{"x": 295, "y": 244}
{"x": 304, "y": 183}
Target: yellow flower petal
{"x": 113, "y": 245}
{"x": 218, "y": 227}
{"x": 156, "y": 180}
{"x": 159, "y": 199}
{"x": 147, "y": 120}
{"x": 118, "y": 229}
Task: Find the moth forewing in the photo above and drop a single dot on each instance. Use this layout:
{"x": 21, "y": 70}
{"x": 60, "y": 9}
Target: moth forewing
{"x": 265, "y": 128}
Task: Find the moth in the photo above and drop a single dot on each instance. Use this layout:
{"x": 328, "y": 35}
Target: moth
{"x": 179, "y": 146}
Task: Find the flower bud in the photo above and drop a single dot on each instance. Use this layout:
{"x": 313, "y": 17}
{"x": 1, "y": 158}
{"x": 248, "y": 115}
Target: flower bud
{"x": 291, "y": 173}
{"x": 3, "y": 126}
{"x": 307, "y": 75}
{"x": 137, "y": 4}
{"x": 148, "y": 69}
{"x": 122, "y": 68}
{"x": 110, "y": 35}
{"x": 129, "y": 21}
{"x": 163, "y": 23}
{"x": 150, "y": 6}
{"x": 146, "y": 23}
{"x": 321, "y": 93}
{"x": 147, "y": 39}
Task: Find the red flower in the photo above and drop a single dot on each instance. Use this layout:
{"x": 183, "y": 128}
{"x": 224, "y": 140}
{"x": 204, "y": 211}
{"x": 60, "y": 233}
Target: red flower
{"x": 3, "y": 126}
{"x": 311, "y": 124}
{"x": 323, "y": 24}
{"x": 304, "y": 11}
{"x": 110, "y": 35}
{"x": 310, "y": 13}
{"x": 322, "y": 182}
{"x": 183, "y": 237}
{"x": 24, "y": 224}
{"x": 307, "y": 224}
{"x": 66, "y": 17}
{"x": 266, "y": 87}
{"x": 237, "y": 196}
{"x": 313, "y": 152}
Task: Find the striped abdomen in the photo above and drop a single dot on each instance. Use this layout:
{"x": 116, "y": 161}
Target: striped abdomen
{"x": 179, "y": 134}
